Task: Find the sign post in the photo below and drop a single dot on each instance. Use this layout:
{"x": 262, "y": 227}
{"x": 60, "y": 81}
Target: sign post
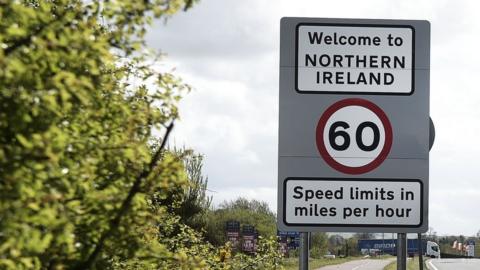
{"x": 420, "y": 249}
{"x": 304, "y": 251}
{"x": 402, "y": 251}
{"x": 354, "y": 127}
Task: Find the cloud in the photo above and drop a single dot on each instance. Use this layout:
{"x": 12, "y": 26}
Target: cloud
{"x": 217, "y": 29}
{"x": 234, "y": 129}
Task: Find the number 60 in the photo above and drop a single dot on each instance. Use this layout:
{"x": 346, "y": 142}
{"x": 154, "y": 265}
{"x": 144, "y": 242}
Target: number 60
{"x": 333, "y": 133}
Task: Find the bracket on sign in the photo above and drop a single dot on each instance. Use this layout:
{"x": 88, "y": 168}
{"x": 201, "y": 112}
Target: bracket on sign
{"x": 432, "y": 134}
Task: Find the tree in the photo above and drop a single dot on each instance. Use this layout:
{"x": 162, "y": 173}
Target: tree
{"x": 431, "y": 235}
{"x": 319, "y": 244}
{"x": 190, "y": 203}
{"x": 336, "y": 243}
{"x": 351, "y": 248}
{"x": 81, "y": 171}
{"x": 79, "y": 164}
{"x": 196, "y": 203}
{"x": 251, "y": 212}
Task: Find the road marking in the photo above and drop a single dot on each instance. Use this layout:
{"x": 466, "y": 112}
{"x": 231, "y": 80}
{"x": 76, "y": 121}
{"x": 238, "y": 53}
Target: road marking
{"x": 431, "y": 265}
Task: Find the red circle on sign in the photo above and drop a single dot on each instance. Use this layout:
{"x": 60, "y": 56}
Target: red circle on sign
{"x": 362, "y": 103}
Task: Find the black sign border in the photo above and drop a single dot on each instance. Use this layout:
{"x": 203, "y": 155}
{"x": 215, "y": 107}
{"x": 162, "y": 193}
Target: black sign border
{"x": 351, "y": 225}
{"x": 355, "y": 25}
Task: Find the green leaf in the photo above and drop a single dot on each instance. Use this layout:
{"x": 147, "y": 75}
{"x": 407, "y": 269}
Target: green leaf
{"x": 24, "y": 141}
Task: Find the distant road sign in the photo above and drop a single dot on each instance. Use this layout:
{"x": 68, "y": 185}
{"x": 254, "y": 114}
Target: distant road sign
{"x": 354, "y": 136}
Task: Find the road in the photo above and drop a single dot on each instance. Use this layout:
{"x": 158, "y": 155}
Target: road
{"x": 454, "y": 264}
{"x": 367, "y": 264}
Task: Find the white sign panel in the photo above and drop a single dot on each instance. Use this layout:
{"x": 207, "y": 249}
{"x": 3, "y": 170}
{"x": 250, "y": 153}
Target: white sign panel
{"x": 352, "y": 202}
{"x": 354, "y": 136}
{"x": 342, "y": 58}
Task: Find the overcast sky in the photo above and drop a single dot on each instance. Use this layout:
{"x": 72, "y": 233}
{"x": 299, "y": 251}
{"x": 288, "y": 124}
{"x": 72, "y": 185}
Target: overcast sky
{"x": 229, "y": 52}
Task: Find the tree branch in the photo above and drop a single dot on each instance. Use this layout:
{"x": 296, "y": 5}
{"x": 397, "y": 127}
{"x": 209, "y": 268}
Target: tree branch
{"x": 115, "y": 222}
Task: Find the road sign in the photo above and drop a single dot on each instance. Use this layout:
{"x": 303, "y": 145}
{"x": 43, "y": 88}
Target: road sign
{"x": 470, "y": 248}
{"x": 354, "y": 125}
{"x": 232, "y": 229}
{"x": 291, "y": 239}
{"x": 354, "y": 136}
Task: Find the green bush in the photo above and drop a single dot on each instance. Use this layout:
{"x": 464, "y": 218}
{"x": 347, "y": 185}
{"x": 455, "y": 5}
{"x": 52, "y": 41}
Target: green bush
{"x": 81, "y": 171}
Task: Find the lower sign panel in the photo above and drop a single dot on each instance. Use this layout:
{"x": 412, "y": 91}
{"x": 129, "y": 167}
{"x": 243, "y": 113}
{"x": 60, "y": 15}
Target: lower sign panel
{"x": 347, "y": 202}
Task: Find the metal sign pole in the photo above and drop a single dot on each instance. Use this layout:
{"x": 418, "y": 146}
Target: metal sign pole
{"x": 304, "y": 251}
{"x": 420, "y": 251}
{"x": 401, "y": 251}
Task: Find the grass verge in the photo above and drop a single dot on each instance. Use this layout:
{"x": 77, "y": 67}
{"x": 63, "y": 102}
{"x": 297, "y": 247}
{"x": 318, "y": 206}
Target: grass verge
{"x": 412, "y": 264}
{"x": 292, "y": 263}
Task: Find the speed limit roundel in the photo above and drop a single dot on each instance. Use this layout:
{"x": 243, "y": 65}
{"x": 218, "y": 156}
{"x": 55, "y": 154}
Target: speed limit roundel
{"x": 354, "y": 136}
